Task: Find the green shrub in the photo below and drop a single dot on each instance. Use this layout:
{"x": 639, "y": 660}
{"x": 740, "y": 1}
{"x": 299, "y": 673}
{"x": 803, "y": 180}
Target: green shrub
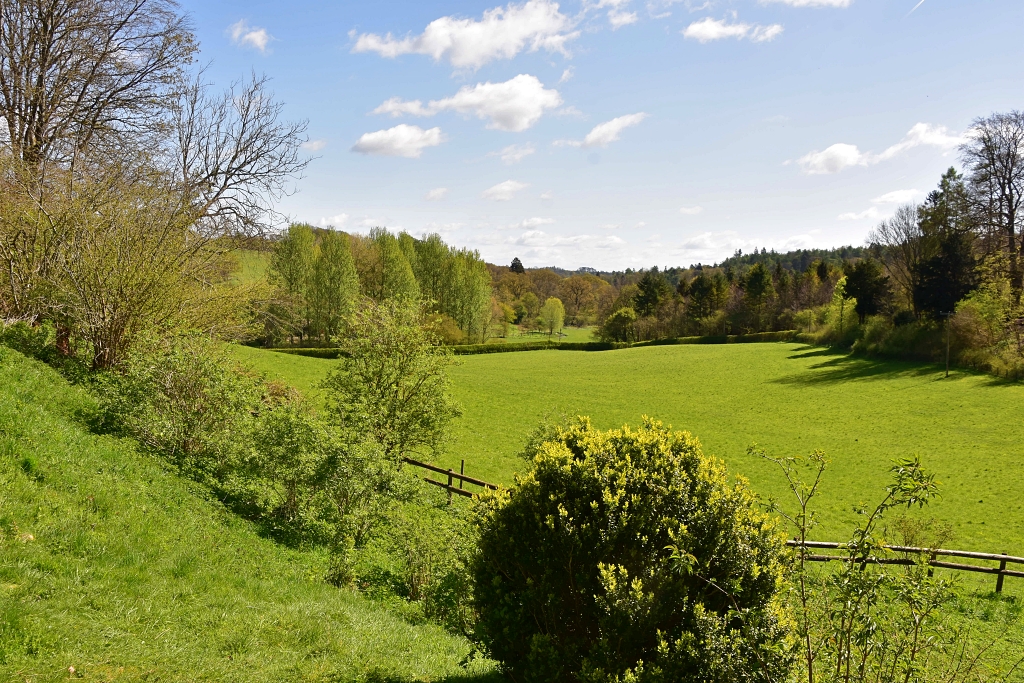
{"x": 627, "y": 556}
{"x": 185, "y": 398}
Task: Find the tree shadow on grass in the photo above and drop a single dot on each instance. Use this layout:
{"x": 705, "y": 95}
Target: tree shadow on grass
{"x": 840, "y": 366}
{"x": 492, "y": 676}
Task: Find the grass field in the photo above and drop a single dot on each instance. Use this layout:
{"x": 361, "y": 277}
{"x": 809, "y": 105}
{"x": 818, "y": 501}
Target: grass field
{"x": 789, "y": 398}
{"x": 569, "y": 334}
{"x": 124, "y": 571}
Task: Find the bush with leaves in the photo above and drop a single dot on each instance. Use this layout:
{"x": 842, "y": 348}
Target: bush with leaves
{"x": 627, "y": 555}
{"x": 392, "y": 384}
{"x": 187, "y": 399}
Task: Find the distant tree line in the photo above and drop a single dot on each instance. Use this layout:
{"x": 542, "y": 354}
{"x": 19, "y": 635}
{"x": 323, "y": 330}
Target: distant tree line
{"x": 319, "y": 275}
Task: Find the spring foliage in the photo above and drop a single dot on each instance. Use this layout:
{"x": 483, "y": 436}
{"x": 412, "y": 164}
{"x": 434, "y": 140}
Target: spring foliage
{"x": 627, "y": 555}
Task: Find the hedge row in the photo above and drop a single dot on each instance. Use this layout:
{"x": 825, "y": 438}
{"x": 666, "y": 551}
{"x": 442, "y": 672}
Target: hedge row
{"x": 472, "y": 349}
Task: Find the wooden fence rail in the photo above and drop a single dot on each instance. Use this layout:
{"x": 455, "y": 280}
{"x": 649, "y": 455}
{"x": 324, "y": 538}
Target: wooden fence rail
{"x": 453, "y": 476}
{"x": 1001, "y": 571}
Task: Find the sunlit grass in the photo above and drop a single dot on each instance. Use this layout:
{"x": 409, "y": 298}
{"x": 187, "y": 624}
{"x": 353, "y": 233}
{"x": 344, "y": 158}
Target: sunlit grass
{"x": 114, "y": 566}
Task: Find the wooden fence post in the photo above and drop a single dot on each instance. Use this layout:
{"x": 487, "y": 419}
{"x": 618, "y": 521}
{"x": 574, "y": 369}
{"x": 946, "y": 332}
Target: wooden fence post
{"x": 449, "y": 485}
{"x": 999, "y": 580}
{"x": 462, "y": 471}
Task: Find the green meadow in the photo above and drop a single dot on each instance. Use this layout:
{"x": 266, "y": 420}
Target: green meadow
{"x": 788, "y": 398}
{"x": 113, "y": 568}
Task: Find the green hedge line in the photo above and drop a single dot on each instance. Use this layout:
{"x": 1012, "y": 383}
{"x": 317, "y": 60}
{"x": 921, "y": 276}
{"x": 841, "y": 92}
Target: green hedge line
{"x": 473, "y": 349}
{"x": 330, "y": 353}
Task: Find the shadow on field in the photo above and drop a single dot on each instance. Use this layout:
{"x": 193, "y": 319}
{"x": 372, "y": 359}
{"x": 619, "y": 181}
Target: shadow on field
{"x": 488, "y": 677}
{"x": 840, "y": 366}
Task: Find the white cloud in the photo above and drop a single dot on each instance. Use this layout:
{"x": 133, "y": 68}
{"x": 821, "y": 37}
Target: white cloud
{"x": 832, "y": 159}
{"x": 437, "y": 194}
{"x": 513, "y": 106}
{"x": 842, "y": 155}
{"x": 897, "y": 197}
{"x": 336, "y": 221}
{"x": 502, "y": 192}
{"x": 539, "y": 238}
{"x": 712, "y": 243}
{"x": 871, "y": 213}
{"x": 401, "y": 141}
{"x": 314, "y": 145}
{"x": 812, "y": 3}
{"x": 691, "y": 210}
{"x": 708, "y": 29}
{"x": 547, "y": 196}
{"x": 609, "y": 242}
{"x": 530, "y": 223}
{"x": 513, "y": 154}
{"x": 244, "y": 35}
{"x": 605, "y": 133}
{"x": 567, "y": 74}
{"x": 502, "y": 33}
{"x": 619, "y": 18}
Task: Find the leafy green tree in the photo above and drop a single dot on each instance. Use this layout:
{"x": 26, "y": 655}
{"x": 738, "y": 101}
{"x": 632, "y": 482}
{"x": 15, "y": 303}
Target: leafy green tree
{"x": 867, "y": 282}
{"x": 627, "y": 555}
{"x": 334, "y": 284}
{"x": 432, "y": 272}
{"x": 391, "y": 384}
{"x": 388, "y": 274}
{"x": 552, "y": 315}
{"x": 619, "y": 326}
{"x": 291, "y": 268}
{"x": 758, "y": 290}
{"x": 652, "y": 290}
{"x": 706, "y": 295}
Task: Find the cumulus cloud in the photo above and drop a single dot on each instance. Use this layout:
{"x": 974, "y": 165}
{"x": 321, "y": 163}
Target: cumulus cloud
{"x": 437, "y": 194}
{"x": 605, "y": 133}
{"x": 513, "y": 154}
{"x": 539, "y": 238}
{"x": 691, "y": 210}
{"x": 502, "y": 33}
{"x": 513, "y": 106}
{"x": 314, "y": 145}
{"x": 618, "y": 13}
{"x": 812, "y": 3}
{"x": 708, "y": 29}
{"x": 707, "y": 241}
{"x": 503, "y": 192}
{"x": 566, "y": 75}
{"x": 244, "y": 35}
{"x": 842, "y": 155}
{"x": 897, "y": 197}
{"x": 401, "y": 141}
{"x": 871, "y": 213}
{"x": 530, "y": 223}
{"x": 336, "y": 221}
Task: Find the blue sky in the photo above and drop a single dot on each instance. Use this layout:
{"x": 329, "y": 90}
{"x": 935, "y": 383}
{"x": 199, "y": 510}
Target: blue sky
{"x": 622, "y": 133}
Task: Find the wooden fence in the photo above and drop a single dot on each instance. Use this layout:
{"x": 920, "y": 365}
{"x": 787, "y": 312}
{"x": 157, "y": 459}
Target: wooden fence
{"x": 453, "y": 476}
{"x": 1001, "y": 571}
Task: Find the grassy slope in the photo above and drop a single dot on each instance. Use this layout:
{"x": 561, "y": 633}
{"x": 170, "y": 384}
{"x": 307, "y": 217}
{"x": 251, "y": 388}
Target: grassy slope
{"x": 124, "y": 571}
{"x": 789, "y": 398}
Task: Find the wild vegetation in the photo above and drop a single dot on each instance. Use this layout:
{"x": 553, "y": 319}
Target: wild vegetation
{"x": 169, "y": 512}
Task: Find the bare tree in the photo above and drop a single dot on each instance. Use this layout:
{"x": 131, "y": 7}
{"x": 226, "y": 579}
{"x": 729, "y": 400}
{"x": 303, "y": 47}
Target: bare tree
{"x": 123, "y": 177}
{"x": 83, "y": 74}
{"x": 904, "y": 247}
{"x": 233, "y": 156}
{"x": 994, "y": 156}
